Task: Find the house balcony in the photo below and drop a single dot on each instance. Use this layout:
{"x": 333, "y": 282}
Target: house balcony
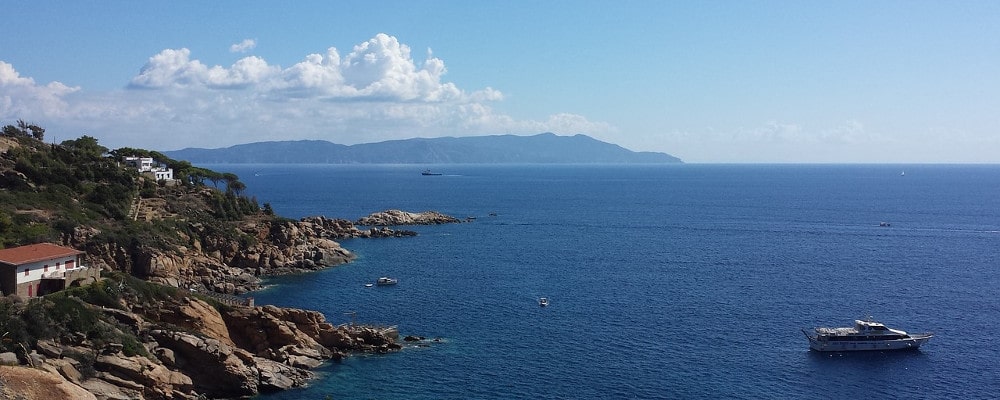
{"x": 61, "y": 274}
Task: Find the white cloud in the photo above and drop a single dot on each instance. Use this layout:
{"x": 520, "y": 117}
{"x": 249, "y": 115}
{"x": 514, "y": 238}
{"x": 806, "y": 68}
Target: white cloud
{"x": 244, "y": 46}
{"x": 21, "y": 97}
{"x": 174, "y": 68}
{"x": 373, "y": 93}
{"x": 378, "y": 69}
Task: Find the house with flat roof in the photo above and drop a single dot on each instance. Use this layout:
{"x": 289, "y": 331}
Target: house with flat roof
{"x": 147, "y": 166}
{"x": 39, "y": 269}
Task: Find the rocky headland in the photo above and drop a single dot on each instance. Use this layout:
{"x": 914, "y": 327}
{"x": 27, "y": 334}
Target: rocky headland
{"x": 189, "y": 345}
{"x": 235, "y": 264}
{"x": 165, "y": 320}
{"x": 192, "y": 346}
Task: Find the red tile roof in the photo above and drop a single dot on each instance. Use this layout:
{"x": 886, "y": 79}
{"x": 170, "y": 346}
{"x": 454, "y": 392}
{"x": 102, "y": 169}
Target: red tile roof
{"x": 35, "y": 252}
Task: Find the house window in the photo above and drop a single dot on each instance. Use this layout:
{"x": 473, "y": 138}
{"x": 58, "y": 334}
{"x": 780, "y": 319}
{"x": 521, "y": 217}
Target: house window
{"x": 57, "y": 265}
{"x": 25, "y": 272}
{"x": 46, "y": 269}
{"x": 69, "y": 264}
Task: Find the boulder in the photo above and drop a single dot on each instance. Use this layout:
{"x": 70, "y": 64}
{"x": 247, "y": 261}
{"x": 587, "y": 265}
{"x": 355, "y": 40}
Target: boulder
{"x": 276, "y": 376}
{"x": 166, "y": 356}
{"x": 9, "y": 358}
{"x": 267, "y": 330}
{"x": 148, "y": 375}
{"x": 215, "y": 368}
{"x": 36, "y": 384}
{"x": 105, "y": 390}
{"x": 49, "y": 348}
{"x": 68, "y": 370}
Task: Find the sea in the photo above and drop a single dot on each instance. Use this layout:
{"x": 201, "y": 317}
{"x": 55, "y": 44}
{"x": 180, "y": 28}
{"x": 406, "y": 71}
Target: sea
{"x": 687, "y": 281}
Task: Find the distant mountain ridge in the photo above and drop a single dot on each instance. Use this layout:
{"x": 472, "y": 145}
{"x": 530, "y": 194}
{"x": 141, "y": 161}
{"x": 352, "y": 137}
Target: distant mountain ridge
{"x": 544, "y": 148}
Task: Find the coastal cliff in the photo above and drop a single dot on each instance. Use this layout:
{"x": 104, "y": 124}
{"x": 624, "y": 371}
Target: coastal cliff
{"x": 205, "y": 260}
{"x": 192, "y": 349}
{"x": 187, "y": 345}
{"x": 164, "y": 321}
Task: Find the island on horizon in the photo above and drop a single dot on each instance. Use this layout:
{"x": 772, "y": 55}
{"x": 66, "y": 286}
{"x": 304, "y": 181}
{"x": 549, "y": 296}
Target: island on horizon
{"x": 544, "y": 148}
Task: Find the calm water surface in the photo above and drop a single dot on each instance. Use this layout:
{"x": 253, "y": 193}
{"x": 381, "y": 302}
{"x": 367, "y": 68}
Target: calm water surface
{"x": 677, "y": 281}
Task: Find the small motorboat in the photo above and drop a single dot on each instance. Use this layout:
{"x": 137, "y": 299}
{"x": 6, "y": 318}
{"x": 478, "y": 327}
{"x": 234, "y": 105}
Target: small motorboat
{"x": 386, "y": 281}
{"x": 428, "y": 172}
{"x": 369, "y": 284}
{"x": 543, "y": 302}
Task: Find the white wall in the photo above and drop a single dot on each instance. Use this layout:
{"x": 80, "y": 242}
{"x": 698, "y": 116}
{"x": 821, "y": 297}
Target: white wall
{"x": 36, "y": 270}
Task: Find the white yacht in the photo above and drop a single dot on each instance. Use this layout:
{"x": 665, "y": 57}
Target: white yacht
{"x": 386, "y": 281}
{"x": 544, "y": 301}
{"x": 866, "y": 334}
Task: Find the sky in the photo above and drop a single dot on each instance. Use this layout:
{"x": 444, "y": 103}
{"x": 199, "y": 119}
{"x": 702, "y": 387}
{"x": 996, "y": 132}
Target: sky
{"x": 709, "y": 81}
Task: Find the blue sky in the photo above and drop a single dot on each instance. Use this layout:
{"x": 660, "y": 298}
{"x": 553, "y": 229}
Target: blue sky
{"x": 706, "y": 81}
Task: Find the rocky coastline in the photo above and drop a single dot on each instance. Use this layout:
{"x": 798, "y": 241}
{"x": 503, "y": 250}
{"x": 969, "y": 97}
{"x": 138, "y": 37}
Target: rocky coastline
{"x": 234, "y": 353}
{"x": 193, "y": 347}
{"x": 216, "y": 264}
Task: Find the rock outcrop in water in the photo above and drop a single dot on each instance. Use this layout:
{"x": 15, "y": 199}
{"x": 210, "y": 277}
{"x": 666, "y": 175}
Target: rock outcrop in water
{"x": 399, "y": 217}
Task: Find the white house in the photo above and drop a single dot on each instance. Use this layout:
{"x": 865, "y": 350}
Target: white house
{"x": 146, "y": 165}
{"x": 39, "y": 269}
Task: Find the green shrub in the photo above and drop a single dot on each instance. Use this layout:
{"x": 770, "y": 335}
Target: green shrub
{"x": 74, "y": 315}
{"x": 13, "y": 330}
{"x": 131, "y": 346}
{"x": 102, "y": 293}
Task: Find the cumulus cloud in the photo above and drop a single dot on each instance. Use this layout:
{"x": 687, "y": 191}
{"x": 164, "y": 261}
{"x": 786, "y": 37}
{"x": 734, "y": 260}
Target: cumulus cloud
{"x": 175, "y": 68}
{"x": 21, "y": 97}
{"x": 381, "y": 68}
{"x": 244, "y": 46}
{"x": 374, "y": 92}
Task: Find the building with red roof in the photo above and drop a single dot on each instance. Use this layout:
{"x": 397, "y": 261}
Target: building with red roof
{"x": 39, "y": 269}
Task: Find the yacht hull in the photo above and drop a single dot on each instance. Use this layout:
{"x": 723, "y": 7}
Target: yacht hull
{"x": 912, "y": 343}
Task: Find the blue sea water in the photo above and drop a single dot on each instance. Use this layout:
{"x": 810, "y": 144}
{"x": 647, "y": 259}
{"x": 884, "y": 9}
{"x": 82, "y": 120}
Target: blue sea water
{"x": 668, "y": 281}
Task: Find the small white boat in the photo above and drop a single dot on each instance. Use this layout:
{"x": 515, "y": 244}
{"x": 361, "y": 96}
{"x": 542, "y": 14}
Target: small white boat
{"x": 544, "y": 301}
{"x": 369, "y": 284}
{"x": 867, "y": 335}
{"x": 386, "y": 281}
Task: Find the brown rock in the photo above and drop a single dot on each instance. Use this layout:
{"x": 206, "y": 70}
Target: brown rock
{"x": 216, "y": 369}
{"x": 105, "y": 390}
{"x": 49, "y": 348}
{"x": 34, "y": 384}
{"x": 148, "y": 375}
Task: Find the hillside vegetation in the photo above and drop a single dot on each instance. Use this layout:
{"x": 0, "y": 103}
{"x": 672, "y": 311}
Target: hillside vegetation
{"x": 157, "y": 325}
{"x": 48, "y": 190}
